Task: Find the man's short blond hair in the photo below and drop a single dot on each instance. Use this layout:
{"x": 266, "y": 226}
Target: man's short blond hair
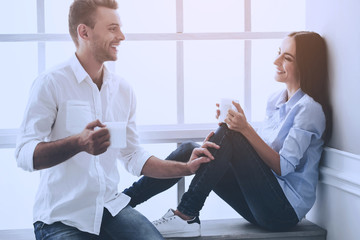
{"x": 83, "y": 12}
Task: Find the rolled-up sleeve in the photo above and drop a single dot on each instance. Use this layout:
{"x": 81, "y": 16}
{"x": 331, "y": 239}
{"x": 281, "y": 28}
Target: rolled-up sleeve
{"x": 39, "y": 117}
{"x": 133, "y": 157}
{"x": 302, "y": 135}
{"x": 295, "y": 145}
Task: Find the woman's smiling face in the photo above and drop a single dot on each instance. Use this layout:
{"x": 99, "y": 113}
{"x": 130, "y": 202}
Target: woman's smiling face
{"x": 286, "y": 67}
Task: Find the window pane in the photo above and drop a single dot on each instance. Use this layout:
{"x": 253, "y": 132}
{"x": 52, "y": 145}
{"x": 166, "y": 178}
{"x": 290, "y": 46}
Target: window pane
{"x": 144, "y": 16}
{"x": 155, "y": 207}
{"x": 56, "y": 16}
{"x": 18, "y": 16}
{"x": 213, "y": 15}
{"x": 58, "y": 52}
{"x": 150, "y": 68}
{"x": 262, "y": 72}
{"x": 18, "y": 192}
{"x": 277, "y": 15}
{"x": 19, "y": 69}
{"x": 213, "y": 70}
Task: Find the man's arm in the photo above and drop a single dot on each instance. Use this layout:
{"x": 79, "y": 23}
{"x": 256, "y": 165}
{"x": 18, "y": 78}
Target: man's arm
{"x": 157, "y": 168}
{"x": 95, "y": 142}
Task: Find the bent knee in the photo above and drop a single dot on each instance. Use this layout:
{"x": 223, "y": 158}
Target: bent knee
{"x": 188, "y": 146}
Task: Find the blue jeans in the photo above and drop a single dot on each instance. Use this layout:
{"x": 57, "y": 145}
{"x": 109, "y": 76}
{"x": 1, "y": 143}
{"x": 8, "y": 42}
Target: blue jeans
{"x": 237, "y": 175}
{"x": 127, "y": 224}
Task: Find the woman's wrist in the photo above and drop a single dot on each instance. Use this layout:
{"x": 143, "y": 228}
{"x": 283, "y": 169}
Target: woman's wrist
{"x": 247, "y": 131}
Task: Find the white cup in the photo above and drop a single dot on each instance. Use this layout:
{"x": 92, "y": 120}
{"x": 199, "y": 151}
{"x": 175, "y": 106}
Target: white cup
{"x": 225, "y": 106}
{"x": 117, "y": 134}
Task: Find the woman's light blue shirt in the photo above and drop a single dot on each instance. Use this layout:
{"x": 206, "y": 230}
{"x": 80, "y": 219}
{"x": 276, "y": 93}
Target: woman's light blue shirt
{"x": 294, "y": 130}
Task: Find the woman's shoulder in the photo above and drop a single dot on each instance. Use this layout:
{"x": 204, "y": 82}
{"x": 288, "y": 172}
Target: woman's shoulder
{"x": 310, "y": 113}
{"x": 310, "y": 106}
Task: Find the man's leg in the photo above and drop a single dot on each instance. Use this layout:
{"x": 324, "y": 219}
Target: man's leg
{"x": 148, "y": 187}
{"x": 60, "y": 231}
{"x": 128, "y": 224}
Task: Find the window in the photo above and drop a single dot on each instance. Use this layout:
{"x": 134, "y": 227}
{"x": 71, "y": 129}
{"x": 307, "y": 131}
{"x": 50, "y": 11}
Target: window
{"x": 181, "y": 57}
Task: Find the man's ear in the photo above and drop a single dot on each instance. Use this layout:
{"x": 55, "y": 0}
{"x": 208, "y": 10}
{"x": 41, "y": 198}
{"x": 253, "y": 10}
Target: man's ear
{"x": 82, "y": 31}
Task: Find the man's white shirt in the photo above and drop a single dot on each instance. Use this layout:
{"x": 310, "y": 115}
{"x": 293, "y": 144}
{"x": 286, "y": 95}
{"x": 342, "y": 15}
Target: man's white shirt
{"x": 76, "y": 191}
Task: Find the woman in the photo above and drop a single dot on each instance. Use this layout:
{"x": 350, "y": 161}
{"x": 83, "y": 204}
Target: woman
{"x": 268, "y": 176}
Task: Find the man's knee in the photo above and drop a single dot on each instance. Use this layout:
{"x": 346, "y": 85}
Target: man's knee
{"x": 188, "y": 146}
{"x": 183, "y": 152}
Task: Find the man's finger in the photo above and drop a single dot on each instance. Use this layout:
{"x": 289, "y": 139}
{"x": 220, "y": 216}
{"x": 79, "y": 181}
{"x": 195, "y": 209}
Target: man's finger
{"x": 208, "y": 136}
{"x": 203, "y": 159}
{"x": 204, "y": 151}
{"x": 211, "y": 145}
{"x": 94, "y": 124}
{"x": 101, "y": 132}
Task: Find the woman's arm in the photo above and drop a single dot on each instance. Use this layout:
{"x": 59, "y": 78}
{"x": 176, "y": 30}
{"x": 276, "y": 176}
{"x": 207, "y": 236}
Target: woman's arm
{"x": 236, "y": 121}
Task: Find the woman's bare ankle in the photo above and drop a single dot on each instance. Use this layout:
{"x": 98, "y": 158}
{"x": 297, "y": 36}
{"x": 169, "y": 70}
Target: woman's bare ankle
{"x": 182, "y": 216}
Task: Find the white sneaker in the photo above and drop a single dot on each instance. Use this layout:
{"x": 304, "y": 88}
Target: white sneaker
{"x": 171, "y": 225}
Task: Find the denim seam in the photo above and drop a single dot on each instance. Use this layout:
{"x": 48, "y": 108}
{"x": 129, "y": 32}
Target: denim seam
{"x": 183, "y": 209}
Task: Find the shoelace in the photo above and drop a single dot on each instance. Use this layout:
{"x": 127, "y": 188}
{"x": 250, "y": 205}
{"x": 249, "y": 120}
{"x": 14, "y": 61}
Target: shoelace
{"x": 162, "y": 220}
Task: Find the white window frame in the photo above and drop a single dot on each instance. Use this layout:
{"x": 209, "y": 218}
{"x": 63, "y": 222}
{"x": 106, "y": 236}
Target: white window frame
{"x": 176, "y": 133}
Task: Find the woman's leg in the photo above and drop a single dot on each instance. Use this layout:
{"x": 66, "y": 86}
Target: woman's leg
{"x": 148, "y": 187}
{"x": 261, "y": 189}
{"x": 229, "y": 190}
{"x": 208, "y": 174}
{"x": 252, "y": 189}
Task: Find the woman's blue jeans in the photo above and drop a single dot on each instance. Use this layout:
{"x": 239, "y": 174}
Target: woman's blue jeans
{"x": 127, "y": 224}
{"x": 237, "y": 175}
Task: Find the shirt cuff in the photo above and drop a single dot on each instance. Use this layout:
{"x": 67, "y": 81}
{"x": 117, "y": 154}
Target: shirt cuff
{"x": 285, "y": 166}
{"x": 25, "y": 156}
{"x": 140, "y": 162}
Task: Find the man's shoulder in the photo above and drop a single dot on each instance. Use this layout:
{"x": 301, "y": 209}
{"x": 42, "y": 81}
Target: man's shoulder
{"x": 63, "y": 68}
{"x": 121, "y": 82}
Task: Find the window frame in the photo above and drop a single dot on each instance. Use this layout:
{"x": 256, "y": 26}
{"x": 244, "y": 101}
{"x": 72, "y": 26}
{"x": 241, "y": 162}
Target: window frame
{"x": 176, "y": 133}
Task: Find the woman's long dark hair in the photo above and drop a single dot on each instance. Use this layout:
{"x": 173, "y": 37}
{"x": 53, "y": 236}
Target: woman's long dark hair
{"x": 311, "y": 57}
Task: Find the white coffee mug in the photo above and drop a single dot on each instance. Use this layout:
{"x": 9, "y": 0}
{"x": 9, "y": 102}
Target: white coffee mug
{"x": 117, "y": 134}
{"x": 225, "y": 106}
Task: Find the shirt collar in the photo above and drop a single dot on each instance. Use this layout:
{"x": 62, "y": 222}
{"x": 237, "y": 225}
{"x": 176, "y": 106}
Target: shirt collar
{"x": 286, "y": 106}
{"x": 81, "y": 74}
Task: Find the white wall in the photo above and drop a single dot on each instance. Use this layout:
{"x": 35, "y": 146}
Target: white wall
{"x": 337, "y": 208}
{"x": 339, "y": 22}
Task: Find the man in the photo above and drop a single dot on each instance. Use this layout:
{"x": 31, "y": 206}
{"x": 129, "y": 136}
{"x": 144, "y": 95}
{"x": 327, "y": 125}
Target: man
{"x": 78, "y": 196}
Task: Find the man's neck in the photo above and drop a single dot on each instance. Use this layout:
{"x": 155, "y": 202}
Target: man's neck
{"x": 94, "y": 68}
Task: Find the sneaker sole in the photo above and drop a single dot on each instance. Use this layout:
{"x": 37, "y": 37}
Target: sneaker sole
{"x": 182, "y": 234}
